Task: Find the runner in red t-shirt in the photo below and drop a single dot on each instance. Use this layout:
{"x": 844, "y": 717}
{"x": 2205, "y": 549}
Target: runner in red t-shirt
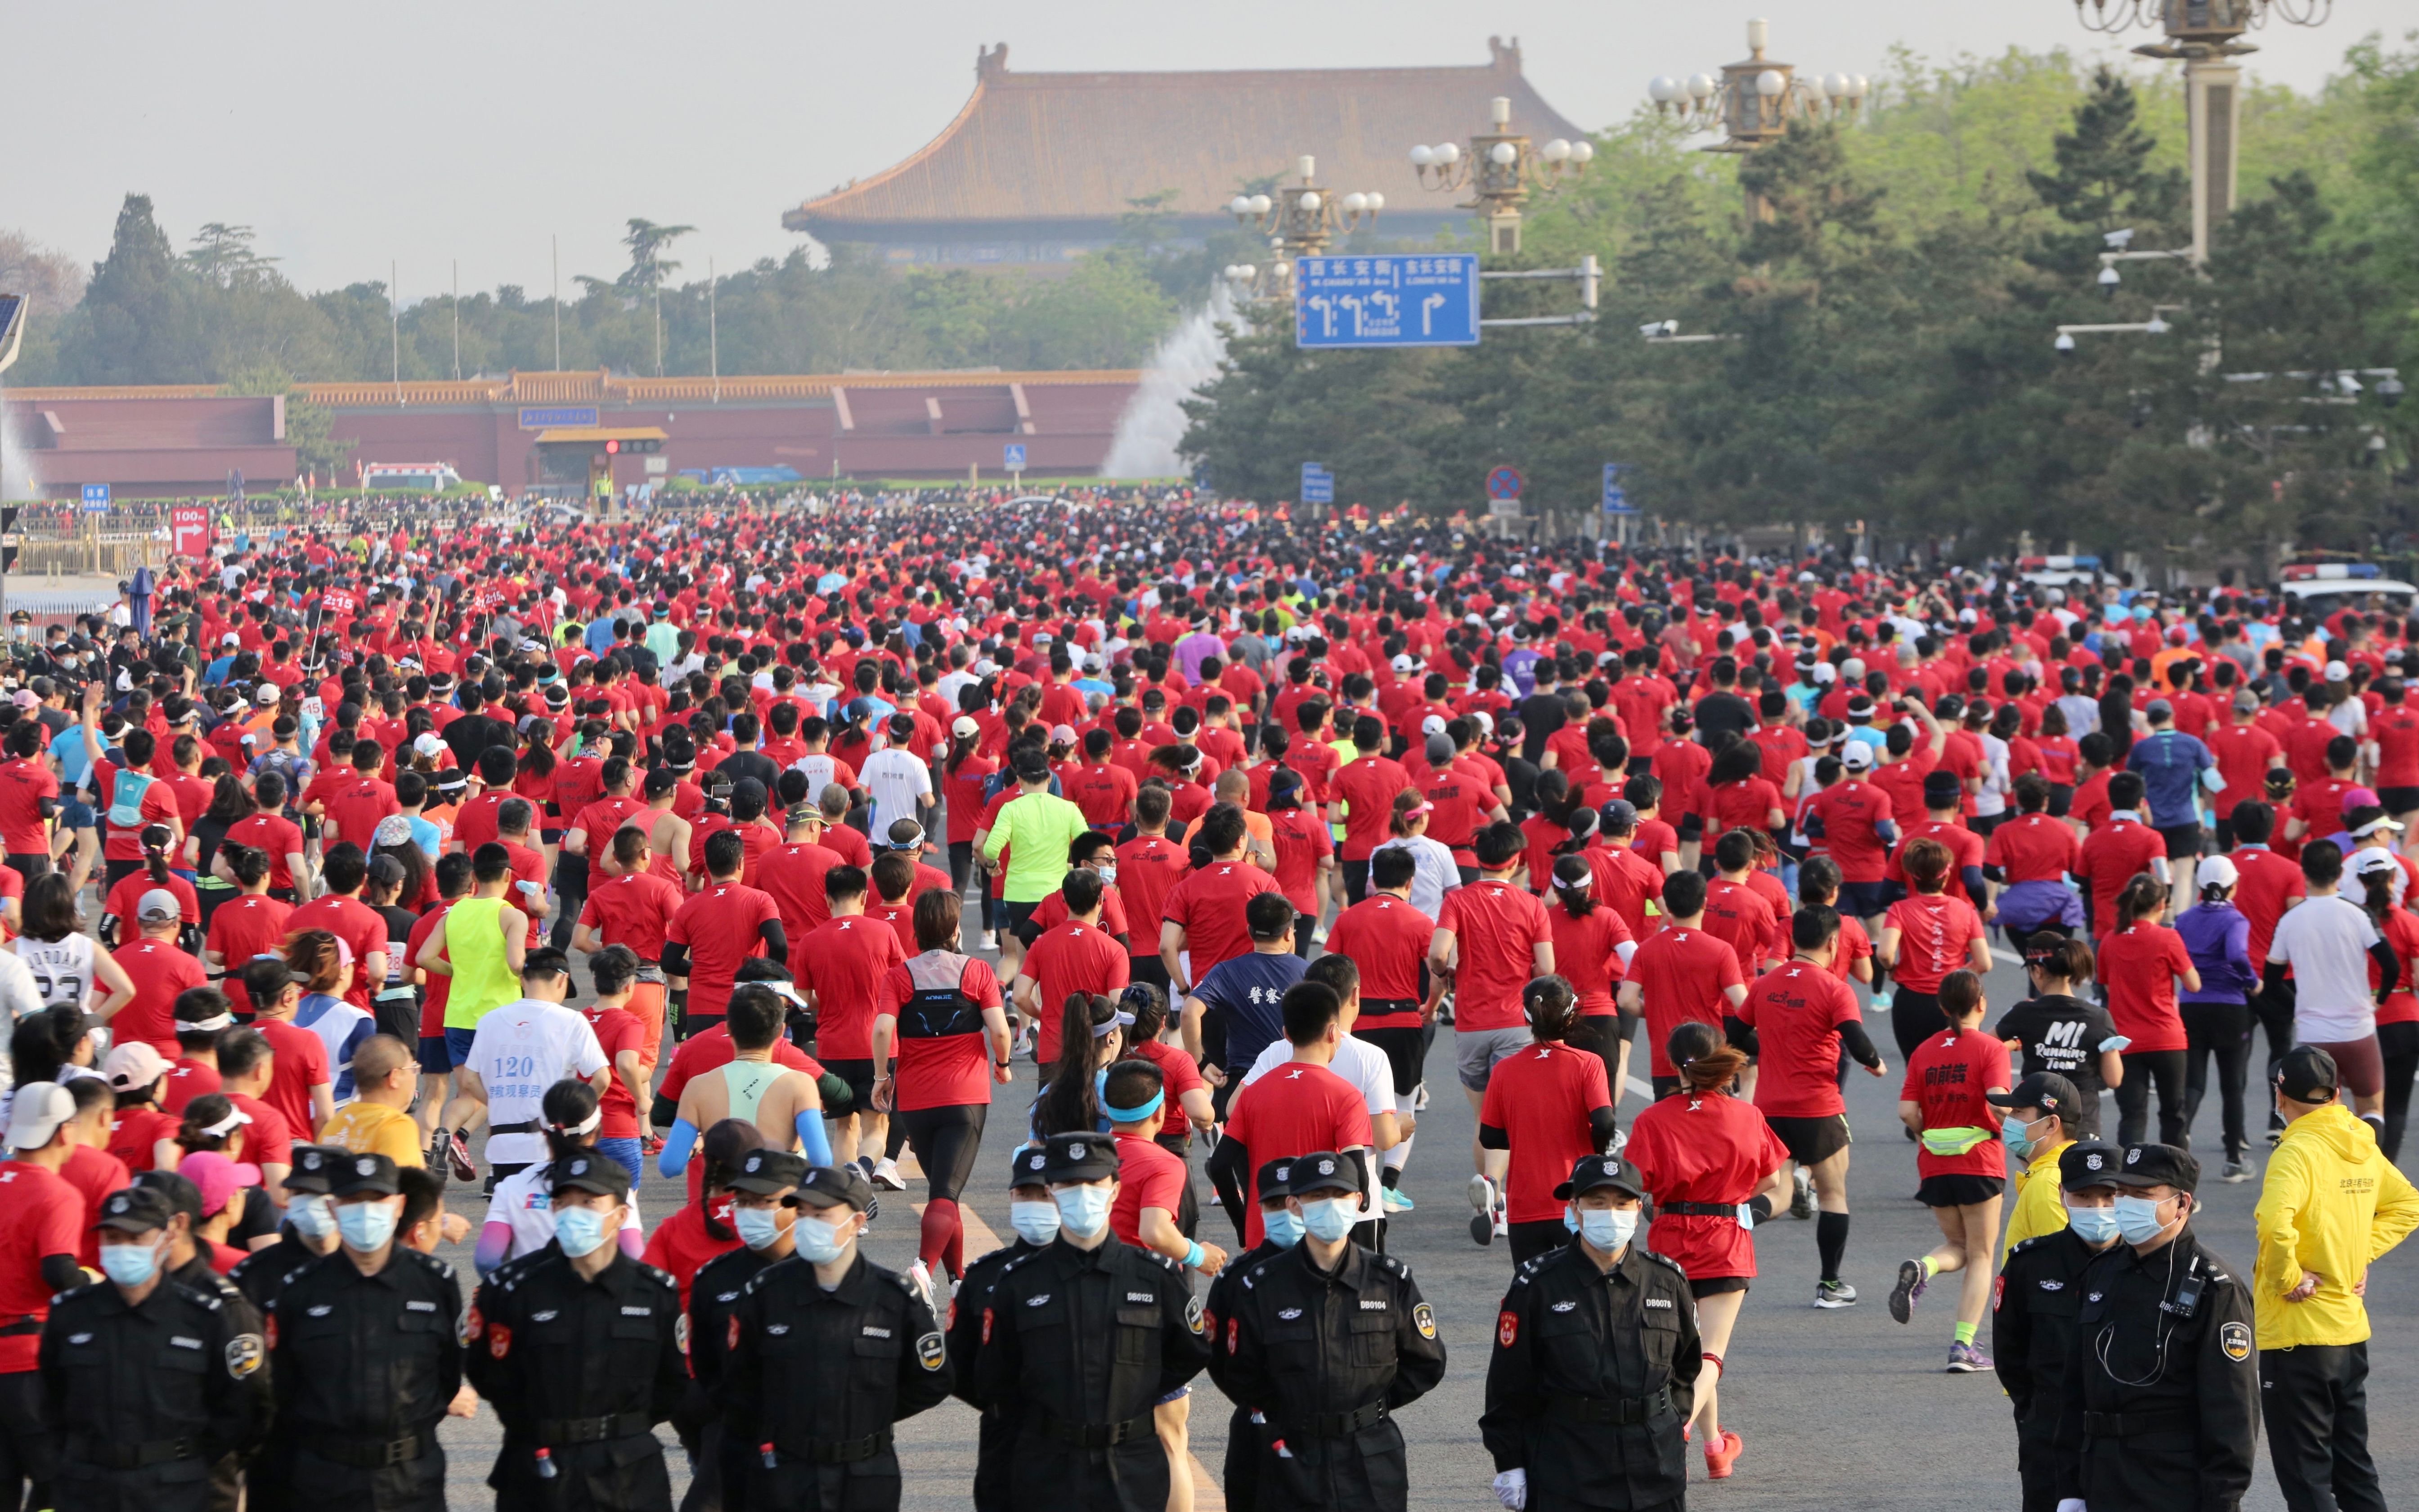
{"x": 1492, "y": 940}
{"x": 2140, "y": 961}
{"x": 1928, "y": 935}
{"x": 1545, "y": 1106}
{"x": 1203, "y": 916}
{"x": 2119, "y": 851}
{"x": 1297, "y": 1108}
{"x": 719, "y": 928}
{"x": 942, "y": 1012}
{"x": 1964, "y": 1168}
{"x": 839, "y": 967}
{"x": 1681, "y": 974}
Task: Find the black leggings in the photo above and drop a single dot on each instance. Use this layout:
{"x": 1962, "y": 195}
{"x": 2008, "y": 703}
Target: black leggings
{"x": 2398, "y": 1045}
{"x": 2143, "y": 1068}
{"x": 2224, "y": 1030}
{"x": 2274, "y": 1011}
{"x": 1914, "y": 1017}
{"x": 946, "y": 1141}
{"x": 1602, "y": 1034}
{"x": 1535, "y": 1237}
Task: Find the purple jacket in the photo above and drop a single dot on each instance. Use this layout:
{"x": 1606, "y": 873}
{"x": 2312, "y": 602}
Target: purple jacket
{"x": 2219, "y": 940}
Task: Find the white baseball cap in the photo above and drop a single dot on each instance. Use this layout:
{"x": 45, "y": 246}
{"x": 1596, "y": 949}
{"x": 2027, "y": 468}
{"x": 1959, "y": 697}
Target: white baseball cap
{"x": 1856, "y": 755}
{"x": 2216, "y": 871}
{"x": 2338, "y": 672}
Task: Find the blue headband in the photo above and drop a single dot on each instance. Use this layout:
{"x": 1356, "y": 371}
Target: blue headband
{"x": 1136, "y": 1114}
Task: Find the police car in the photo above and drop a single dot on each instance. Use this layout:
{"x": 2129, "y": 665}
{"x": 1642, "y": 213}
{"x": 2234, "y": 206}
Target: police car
{"x": 2317, "y": 590}
{"x": 2059, "y": 572}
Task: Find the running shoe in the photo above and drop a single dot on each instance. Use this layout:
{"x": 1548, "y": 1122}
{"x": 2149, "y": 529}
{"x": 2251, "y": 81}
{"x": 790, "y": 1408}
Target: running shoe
{"x": 1831, "y": 1295}
{"x": 1024, "y": 1045}
{"x": 2236, "y": 1172}
{"x": 1967, "y": 1359}
{"x": 457, "y": 1157}
{"x": 1722, "y": 1455}
{"x": 1394, "y": 1199}
{"x": 1911, "y": 1282}
{"x": 921, "y": 1277}
{"x": 885, "y": 1175}
{"x": 1620, "y": 1141}
{"x": 1481, "y": 1202}
{"x": 1420, "y": 1098}
{"x": 1801, "y": 1199}
{"x": 1881, "y": 1003}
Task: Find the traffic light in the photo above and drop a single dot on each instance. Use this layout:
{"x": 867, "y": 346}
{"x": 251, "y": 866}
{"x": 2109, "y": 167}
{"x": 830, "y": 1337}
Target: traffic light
{"x": 636, "y": 446}
{"x": 611, "y": 447}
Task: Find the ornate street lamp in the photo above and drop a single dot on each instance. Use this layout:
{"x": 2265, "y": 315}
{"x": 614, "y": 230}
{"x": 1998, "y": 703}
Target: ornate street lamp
{"x": 1502, "y": 169}
{"x": 1756, "y": 98}
{"x": 1298, "y": 220}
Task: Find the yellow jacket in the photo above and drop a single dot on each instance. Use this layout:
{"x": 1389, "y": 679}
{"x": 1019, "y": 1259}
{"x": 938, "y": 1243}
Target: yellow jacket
{"x": 2039, "y": 1207}
{"x": 2330, "y": 1204}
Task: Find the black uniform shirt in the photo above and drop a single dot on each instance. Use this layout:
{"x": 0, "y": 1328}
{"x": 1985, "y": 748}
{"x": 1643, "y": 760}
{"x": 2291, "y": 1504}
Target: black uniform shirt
{"x": 1087, "y": 1336}
{"x": 2182, "y": 1384}
{"x": 366, "y": 1357}
{"x": 1576, "y": 1387}
{"x": 809, "y": 1368}
{"x": 2034, "y": 1311}
{"x": 966, "y": 1312}
{"x": 260, "y": 1274}
{"x": 184, "y": 1364}
{"x": 1308, "y": 1346}
{"x": 548, "y": 1346}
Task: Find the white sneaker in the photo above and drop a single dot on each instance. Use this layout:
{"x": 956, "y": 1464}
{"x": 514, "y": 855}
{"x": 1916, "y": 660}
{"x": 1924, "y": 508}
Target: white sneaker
{"x": 1484, "y": 1222}
{"x": 921, "y": 1275}
{"x": 1420, "y": 1098}
{"x": 885, "y": 1174}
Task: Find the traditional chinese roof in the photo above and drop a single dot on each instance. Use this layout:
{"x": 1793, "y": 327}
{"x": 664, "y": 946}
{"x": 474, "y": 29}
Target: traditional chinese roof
{"x": 1070, "y": 151}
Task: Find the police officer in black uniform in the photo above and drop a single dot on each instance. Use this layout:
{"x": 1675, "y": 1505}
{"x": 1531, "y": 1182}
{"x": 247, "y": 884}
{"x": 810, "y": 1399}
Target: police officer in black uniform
{"x": 581, "y": 1356}
{"x": 154, "y": 1382}
{"x": 1595, "y": 1363}
{"x": 365, "y": 1350}
{"x": 1281, "y": 1230}
{"x": 765, "y": 1183}
{"x": 828, "y": 1350}
{"x": 188, "y": 1264}
{"x": 1325, "y": 1342}
{"x": 1079, "y": 1341}
{"x": 2034, "y": 1312}
{"x": 308, "y": 1232}
{"x": 1034, "y": 1218}
{"x": 2164, "y": 1410}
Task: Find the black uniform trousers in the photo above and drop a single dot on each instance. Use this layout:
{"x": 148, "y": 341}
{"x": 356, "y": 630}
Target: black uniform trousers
{"x": 2314, "y": 1399}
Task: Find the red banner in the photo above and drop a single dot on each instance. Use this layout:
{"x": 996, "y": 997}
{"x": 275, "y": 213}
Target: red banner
{"x": 189, "y": 529}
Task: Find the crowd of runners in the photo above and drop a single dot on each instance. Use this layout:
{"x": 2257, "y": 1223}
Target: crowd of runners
{"x": 378, "y": 886}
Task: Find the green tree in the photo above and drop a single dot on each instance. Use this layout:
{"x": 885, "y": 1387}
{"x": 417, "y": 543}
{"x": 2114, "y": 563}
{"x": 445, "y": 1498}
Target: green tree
{"x": 140, "y": 318}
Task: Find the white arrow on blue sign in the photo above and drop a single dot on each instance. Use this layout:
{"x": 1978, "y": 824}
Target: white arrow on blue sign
{"x": 1318, "y": 484}
{"x": 96, "y": 497}
{"x": 1616, "y": 500}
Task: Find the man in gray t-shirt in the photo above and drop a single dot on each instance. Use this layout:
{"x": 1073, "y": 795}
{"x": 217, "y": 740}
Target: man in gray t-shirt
{"x": 2329, "y": 941}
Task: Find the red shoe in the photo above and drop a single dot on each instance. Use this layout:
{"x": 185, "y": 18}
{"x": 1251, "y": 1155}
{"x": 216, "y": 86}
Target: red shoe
{"x": 1720, "y": 1457}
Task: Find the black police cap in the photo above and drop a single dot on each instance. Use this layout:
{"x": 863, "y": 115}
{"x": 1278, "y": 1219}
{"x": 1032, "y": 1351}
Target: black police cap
{"x": 1324, "y": 1170}
{"x": 1026, "y": 1165}
{"x": 2089, "y": 1163}
{"x": 1598, "y": 1173}
{"x": 136, "y": 1210}
{"x": 355, "y": 1174}
{"x": 596, "y": 1173}
{"x": 2158, "y": 1165}
{"x": 314, "y": 1169}
{"x": 176, "y": 1188}
{"x": 1079, "y": 1157}
{"x": 765, "y": 1172}
{"x": 832, "y": 1187}
{"x": 1274, "y": 1178}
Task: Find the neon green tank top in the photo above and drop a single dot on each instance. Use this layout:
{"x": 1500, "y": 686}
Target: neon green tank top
{"x": 483, "y": 978}
{"x": 745, "y": 1081}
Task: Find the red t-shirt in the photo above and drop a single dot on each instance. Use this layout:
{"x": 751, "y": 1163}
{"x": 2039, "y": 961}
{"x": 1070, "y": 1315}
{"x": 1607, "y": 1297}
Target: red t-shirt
{"x": 1850, "y": 810}
{"x": 2033, "y": 848}
{"x": 1105, "y": 793}
{"x": 1541, "y": 1097}
{"x": 185, "y": 1081}
{"x": 722, "y": 928}
{"x": 842, "y": 963}
{"x": 359, "y": 926}
{"x": 1947, "y": 1076}
{"x": 95, "y": 1174}
{"x": 157, "y": 807}
{"x": 941, "y": 1069}
{"x": 2139, "y": 965}
{"x": 127, "y": 896}
{"x": 681, "y": 1246}
{"x": 1712, "y": 1149}
{"x": 1210, "y": 904}
{"x": 23, "y": 785}
{"x": 2245, "y": 753}
{"x": 1684, "y": 976}
{"x": 1149, "y": 869}
{"x": 268, "y": 1138}
{"x": 634, "y": 909}
{"x": 355, "y": 808}
{"x": 135, "y": 1133}
{"x": 2266, "y": 882}
{"x": 1935, "y": 933}
{"x": 1796, "y": 1011}
{"x": 159, "y": 971}
{"x": 1366, "y": 787}
{"x": 1302, "y": 842}
{"x": 40, "y": 1214}
{"x": 1070, "y": 959}
{"x": 302, "y": 1064}
{"x": 617, "y": 1030}
{"x": 1587, "y": 954}
{"x": 1744, "y": 917}
{"x": 1387, "y": 939}
{"x": 2394, "y": 729}
{"x": 1147, "y": 1177}
{"x": 1294, "y": 1109}
{"x": 273, "y": 833}
{"x": 2114, "y": 856}
{"x": 711, "y": 1048}
{"x": 1496, "y": 928}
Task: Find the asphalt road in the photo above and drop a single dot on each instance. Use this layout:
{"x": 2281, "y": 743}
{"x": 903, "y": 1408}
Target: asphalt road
{"x": 1837, "y": 1409}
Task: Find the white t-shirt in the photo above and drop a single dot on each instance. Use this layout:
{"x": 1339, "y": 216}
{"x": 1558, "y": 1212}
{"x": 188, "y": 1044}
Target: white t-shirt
{"x": 520, "y": 1050}
{"x": 1356, "y": 1061}
{"x": 894, "y": 778}
{"x": 2326, "y": 942}
{"x": 1435, "y": 874}
{"x": 62, "y": 969}
{"x": 524, "y": 1202}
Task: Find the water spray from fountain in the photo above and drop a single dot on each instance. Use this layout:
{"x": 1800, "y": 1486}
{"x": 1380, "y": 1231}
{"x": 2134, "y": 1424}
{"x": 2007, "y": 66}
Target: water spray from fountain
{"x": 1147, "y": 432}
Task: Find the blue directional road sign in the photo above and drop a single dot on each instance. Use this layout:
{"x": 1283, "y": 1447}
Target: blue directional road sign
{"x": 1616, "y": 499}
{"x": 1431, "y": 300}
{"x": 1011, "y": 456}
{"x": 1317, "y": 484}
{"x": 96, "y": 497}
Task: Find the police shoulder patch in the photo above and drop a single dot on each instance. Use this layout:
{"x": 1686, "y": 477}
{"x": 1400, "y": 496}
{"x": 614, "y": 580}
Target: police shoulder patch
{"x": 244, "y": 1353}
{"x": 2235, "y": 1340}
{"x": 1193, "y": 1314}
{"x": 929, "y": 1352}
{"x": 1425, "y": 1320}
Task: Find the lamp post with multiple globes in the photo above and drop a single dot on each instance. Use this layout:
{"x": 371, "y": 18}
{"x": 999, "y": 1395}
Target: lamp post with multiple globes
{"x": 1502, "y": 169}
{"x": 1755, "y": 100}
{"x": 1298, "y": 220}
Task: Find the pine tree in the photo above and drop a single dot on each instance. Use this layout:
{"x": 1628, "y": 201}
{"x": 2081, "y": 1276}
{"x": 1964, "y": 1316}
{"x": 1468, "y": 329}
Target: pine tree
{"x": 140, "y": 321}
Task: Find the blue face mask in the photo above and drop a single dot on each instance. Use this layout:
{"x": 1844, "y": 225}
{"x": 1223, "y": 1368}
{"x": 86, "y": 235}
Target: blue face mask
{"x": 1608, "y": 1228}
{"x": 1283, "y": 1228}
{"x": 578, "y": 1230}
{"x": 1330, "y": 1218}
{"x": 1036, "y": 1223}
{"x": 313, "y": 1217}
{"x": 366, "y": 1226}
{"x": 1083, "y": 1210}
{"x": 130, "y": 1265}
{"x": 2017, "y": 1135}
{"x": 819, "y": 1242}
{"x": 1571, "y": 1218}
{"x": 758, "y": 1228}
{"x": 2137, "y": 1220}
{"x": 2093, "y": 1226}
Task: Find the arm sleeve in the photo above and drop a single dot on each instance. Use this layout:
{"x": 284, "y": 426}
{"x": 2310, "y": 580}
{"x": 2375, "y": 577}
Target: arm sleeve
{"x": 1602, "y": 1126}
{"x": 1859, "y": 1043}
{"x": 60, "y": 1273}
{"x": 2230, "y": 1398}
{"x": 1490, "y": 1137}
{"x": 1740, "y": 1033}
{"x": 1512, "y": 1399}
{"x": 675, "y": 961}
{"x": 673, "y": 1159}
{"x": 495, "y": 1243}
{"x": 777, "y": 944}
{"x": 812, "y": 1138}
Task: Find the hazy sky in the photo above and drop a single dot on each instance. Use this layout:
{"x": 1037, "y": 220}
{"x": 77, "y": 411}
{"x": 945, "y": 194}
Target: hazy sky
{"x": 350, "y": 135}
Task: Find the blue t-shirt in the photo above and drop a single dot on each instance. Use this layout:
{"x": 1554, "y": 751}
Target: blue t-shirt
{"x": 2170, "y": 764}
{"x": 67, "y": 748}
{"x": 1251, "y": 988}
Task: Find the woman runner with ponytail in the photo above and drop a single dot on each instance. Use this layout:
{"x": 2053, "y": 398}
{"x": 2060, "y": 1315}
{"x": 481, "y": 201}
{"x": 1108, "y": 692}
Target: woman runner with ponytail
{"x": 117, "y": 910}
{"x": 1546, "y": 1107}
{"x": 519, "y": 1220}
{"x": 1712, "y": 1166}
{"x": 1592, "y": 950}
{"x": 1960, "y": 1157}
